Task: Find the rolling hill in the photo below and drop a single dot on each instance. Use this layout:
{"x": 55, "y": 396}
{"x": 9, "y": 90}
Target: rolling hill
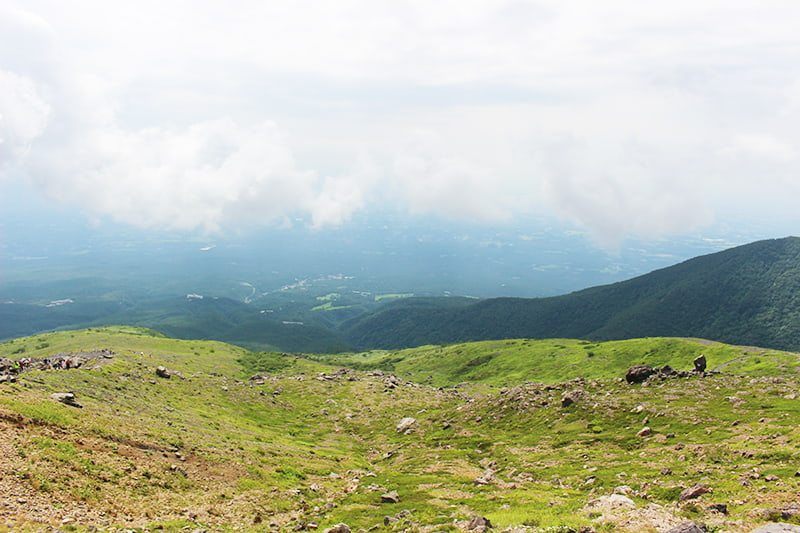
{"x": 745, "y": 295}
{"x": 204, "y": 444}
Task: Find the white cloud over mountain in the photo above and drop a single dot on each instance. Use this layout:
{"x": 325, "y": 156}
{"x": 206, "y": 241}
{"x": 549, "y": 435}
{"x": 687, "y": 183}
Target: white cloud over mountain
{"x": 625, "y": 118}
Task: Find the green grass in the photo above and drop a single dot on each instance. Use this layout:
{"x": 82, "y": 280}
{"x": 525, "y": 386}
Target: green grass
{"x": 509, "y": 362}
{"x": 312, "y": 444}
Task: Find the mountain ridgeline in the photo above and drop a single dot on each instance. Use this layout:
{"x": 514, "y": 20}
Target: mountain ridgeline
{"x": 747, "y": 295}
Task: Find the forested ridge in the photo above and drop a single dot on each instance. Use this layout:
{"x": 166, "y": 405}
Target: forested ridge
{"x": 745, "y": 295}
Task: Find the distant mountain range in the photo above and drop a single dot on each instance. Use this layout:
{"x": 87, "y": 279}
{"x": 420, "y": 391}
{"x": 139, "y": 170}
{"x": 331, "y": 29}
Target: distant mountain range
{"x": 746, "y": 295}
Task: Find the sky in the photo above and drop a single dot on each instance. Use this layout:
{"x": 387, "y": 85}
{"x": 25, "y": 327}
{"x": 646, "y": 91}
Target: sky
{"x": 625, "y": 119}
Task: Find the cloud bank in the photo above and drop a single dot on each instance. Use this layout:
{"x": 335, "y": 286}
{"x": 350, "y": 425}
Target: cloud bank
{"x": 625, "y": 119}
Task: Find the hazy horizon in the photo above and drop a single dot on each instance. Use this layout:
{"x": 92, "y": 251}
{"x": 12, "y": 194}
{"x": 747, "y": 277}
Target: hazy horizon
{"x": 625, "y": 137}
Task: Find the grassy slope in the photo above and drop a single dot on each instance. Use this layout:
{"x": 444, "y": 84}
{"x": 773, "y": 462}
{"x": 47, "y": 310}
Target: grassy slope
{"x": 305, "y": 448}
{"x": 554, "y": 360}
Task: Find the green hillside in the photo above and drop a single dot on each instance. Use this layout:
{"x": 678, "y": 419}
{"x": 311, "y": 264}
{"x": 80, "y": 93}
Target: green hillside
{"x": 748, "y": 295}
{"x": 510, "y": 362}
{"x": 304, "y": 445}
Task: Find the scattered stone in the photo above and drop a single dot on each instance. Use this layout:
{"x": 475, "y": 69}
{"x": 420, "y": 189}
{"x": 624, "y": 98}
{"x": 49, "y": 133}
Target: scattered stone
{"x": 479, "y": 523}
{"x": 390, "y": 497}
{"x": 695, "y": 491}
{"x": 162, "y": 372}
{"x": 699, "y": 363}
{"x": 771, "y": 477}
{"x": 688, "y": 527}
{"x": 644, "y": 432}
{"x": 639, "y": 373}
{"x": 406, "y": 424}
{"x": 66, "y": 398}
{"x": 389, "y": 520}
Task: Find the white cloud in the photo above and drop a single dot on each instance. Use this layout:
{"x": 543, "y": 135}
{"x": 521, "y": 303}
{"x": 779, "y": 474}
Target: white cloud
{"x": 625, "y": 118}
{"x": 23, "y": 115}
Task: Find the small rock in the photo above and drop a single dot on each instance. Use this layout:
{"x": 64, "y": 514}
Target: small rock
{"x": 695, "y": 491}
{"x": 66, "y": 398}
{"x": 338, "y": 528}
{"x": 688, "y": 527}
{"x": 644, "y": 432}
{"x": 479, "y": 523}
{"x": 718, "y": 508}
{"x": 162, "y": 372}
{"x": 406, "y": 424}
{"x": 390, "y": 497}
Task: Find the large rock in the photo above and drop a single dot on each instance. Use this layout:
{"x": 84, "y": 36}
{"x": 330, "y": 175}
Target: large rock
{"x": 700, "y": 363}
{"x": 609, "y": 503}
{"x": 639, "y": 373}
{"x": 162, "y": 372}
{"x": 777, "y": 528}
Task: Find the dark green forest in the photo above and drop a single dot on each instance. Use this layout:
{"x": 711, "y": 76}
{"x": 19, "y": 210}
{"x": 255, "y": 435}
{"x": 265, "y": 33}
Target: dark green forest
{"x": 748, "y": 295}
